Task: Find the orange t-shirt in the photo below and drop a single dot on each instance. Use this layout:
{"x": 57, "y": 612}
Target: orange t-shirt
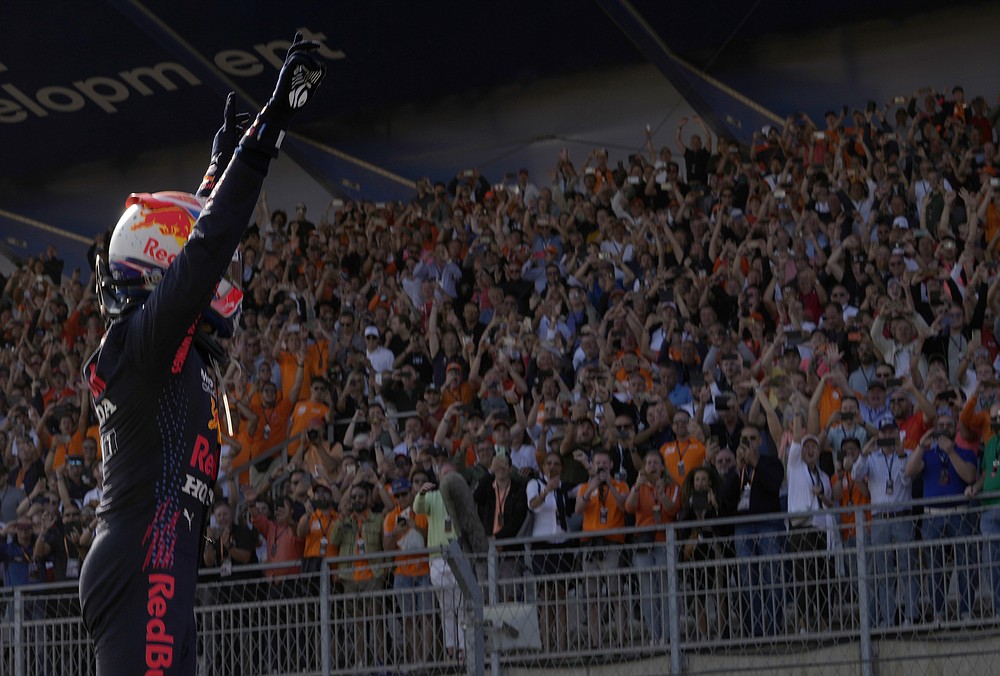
{"x": 289, "y": 365}
{"x": 645, "y": 514}
{"x": 829, "y": 403}
{"x": 852, "y": 496}
{"x": 282, "y": 545}
{"x": 690, "y": 451}
{"x": 73, "y": 447}
{"x": 615, "y": 518}
{"x": 409, "y": 565}
{"x": 303, "y": 413}
{"x": 272, "y": 426}
{"x": 319, "y": 527}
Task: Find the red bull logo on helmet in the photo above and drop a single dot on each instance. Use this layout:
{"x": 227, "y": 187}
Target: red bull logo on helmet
{"x": 172, "y": 214}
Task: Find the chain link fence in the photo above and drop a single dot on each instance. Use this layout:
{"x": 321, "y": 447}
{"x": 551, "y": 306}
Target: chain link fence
{"x": 913, "y": 591}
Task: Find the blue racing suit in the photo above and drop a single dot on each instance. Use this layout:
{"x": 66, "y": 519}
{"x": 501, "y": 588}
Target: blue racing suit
{"x": 154, "y": 394}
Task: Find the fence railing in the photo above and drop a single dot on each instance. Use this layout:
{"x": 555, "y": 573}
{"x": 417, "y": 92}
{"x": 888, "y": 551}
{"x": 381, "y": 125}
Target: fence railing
{"x": 921, "y": 585}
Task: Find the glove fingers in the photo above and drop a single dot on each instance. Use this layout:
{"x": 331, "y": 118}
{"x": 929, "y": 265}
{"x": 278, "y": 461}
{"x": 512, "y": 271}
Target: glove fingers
{"x": 241, "y": 121}
{"x": 229, "y": 114}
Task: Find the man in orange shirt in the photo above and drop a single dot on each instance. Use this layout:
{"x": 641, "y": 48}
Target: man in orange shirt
{"x": 404, "y": 529}
{"x": 455, "y": 387}
{"x": 358, "y": 533}
{"x": 314, "y": 527}
{"x": 601, "y": 501}
{"x": 272, "y": 429}
{"x": 304, "y": 412}
{"x": 684, "y": 453}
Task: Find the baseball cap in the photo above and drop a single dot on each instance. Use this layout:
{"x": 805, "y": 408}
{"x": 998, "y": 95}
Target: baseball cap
{"x": 321, "y": 487}
{"x": 501, "y": 420}
{"x": 887, "y": 422}
{"x": 900, "y": 222}
{"x": 371, "y": 331}
{"x": 401, "y": 485}
{"x": 810, "y": 437}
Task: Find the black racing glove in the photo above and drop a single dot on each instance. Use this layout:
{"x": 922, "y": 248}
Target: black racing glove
{"x": 300, "y": 75}
{"x": 233, "y": 125}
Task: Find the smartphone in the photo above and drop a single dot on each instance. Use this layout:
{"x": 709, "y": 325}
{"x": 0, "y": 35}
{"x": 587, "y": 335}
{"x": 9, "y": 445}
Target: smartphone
{"x": 556, "y": 421}
{"x": 467, "y": 173}
{"x": 871, "y": 107}
{"x": 779, "y": 194}
{"x": 894, "y": 382}
{"x": 604, "y": 256}
{"x": 885, "y": 443}
{"x": 699, "y": 500}
{"x": 899, "y": 99}
{"x": 819, "y": 136}
{"x": 696, "y": 378}
{"x": 793, "y": 337}
{"x": 633, "y": 180}
{"x": 995, "y": 182}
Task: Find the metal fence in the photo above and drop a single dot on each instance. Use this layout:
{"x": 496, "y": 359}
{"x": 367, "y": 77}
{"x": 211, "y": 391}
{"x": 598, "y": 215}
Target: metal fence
{"x": 913, "y": 591}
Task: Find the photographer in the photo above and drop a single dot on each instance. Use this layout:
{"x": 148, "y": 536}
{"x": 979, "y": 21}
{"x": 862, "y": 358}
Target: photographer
{"x": 700, "y": 500}
{"x": 884, "y": 471}
{"x": 654, "y": 500}
{"x": 948, "y": 466}
{"x": 601, "y": 502}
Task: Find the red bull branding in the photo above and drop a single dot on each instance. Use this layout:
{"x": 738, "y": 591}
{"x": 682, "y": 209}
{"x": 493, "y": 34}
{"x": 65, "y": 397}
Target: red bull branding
{"x": 172, "y": 214}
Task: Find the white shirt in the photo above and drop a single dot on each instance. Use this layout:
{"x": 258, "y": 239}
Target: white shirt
{"x": 381, "y": 360}
{"x": 546, "y": 523}
{"x": 801, "y": 481}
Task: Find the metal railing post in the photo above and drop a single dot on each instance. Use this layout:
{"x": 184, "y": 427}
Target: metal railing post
{"x": 672, "y": 601}
{"x": 473, "y": 605}
{"x": 492, "y": 576}
{"x": 864, "y": 593}
{"x": 324, "y": 617}
{"x": 19, "y": 647}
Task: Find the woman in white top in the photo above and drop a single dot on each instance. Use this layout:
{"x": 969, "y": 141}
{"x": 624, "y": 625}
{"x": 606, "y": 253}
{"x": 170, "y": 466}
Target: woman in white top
{"x": 550, "y": 560}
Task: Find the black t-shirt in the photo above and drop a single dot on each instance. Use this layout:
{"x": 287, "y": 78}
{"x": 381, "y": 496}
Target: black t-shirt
{"x": 696, "y": 163}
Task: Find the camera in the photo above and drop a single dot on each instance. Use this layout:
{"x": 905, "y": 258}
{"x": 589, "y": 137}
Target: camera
{"x": 313, "y": 435}
{"x": 883, "y": 442}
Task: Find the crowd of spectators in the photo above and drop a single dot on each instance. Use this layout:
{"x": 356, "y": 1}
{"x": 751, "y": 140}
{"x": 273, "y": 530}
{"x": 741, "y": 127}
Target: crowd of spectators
{"x": 697, "y": 330}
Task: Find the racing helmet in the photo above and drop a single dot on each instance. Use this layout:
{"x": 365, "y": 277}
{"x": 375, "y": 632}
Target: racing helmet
{"x": 146, "y": 240}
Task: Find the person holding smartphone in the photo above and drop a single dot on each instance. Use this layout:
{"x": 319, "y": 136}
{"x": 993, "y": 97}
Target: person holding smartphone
{"x": 882, "y": 466}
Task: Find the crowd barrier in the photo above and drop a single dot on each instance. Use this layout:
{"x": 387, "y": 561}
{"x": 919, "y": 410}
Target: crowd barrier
{"x": 675, "y": 606}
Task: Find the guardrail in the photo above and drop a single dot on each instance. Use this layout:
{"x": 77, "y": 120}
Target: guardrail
{"x": 760, "y": 597}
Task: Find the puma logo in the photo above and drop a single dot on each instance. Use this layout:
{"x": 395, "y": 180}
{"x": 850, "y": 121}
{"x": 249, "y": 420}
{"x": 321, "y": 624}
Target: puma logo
{"x": 303, "y": 80}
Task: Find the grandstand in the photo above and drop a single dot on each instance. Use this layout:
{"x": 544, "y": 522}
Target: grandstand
{"x": 718, "y": 365}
